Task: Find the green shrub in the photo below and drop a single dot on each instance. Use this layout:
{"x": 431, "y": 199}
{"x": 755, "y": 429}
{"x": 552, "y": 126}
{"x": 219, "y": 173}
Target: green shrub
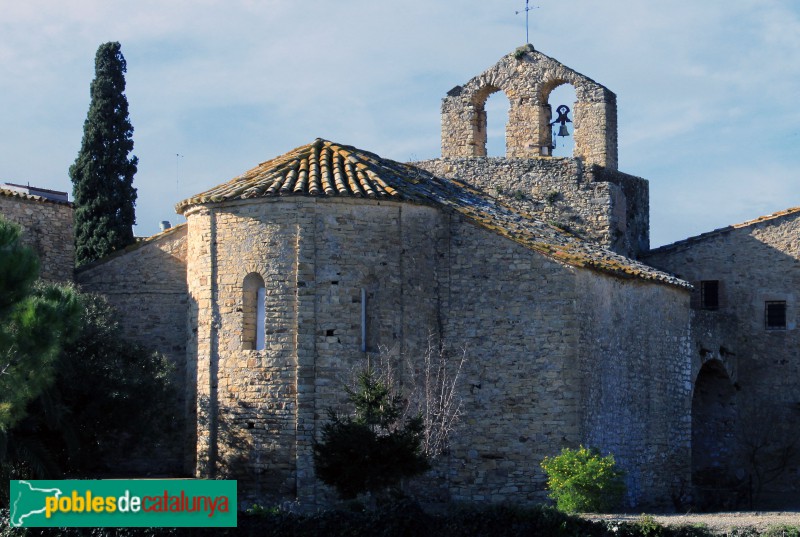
{"x": 648, "y": 527}
{"x": 783, "y": 531}
{"x": 581, "y": 481}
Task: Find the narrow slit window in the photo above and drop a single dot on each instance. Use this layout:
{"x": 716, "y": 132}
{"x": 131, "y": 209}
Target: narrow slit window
{"x": 254, "y": 314}
{"x": 709, "y": 294}
{"x": 775, "y": 315}
{"x": 261, "y": 295}
{"x": 363, "y": 320}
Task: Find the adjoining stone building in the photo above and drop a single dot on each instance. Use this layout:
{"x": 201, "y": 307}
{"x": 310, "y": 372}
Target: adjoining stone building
{"x": 746, "y": 355}
{"x": 287, "y": 276}
{"x": 146, "y": 283}
{"x": 45, "y": 217}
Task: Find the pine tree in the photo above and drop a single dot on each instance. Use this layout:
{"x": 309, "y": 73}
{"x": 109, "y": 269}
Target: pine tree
{"x": 102, "y": 175}
{"x": 374, "y": 450}
{"x": 36, "y": 319}
{"x": 73, "y": 426}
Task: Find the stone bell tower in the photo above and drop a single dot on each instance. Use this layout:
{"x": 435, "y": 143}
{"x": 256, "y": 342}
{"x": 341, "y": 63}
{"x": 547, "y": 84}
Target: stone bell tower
{"x": 585, "y": 194}
{"x": 527, "y": 77}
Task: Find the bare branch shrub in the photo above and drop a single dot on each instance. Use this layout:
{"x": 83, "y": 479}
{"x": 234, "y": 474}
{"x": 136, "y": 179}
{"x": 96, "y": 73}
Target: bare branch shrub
{"x": 428, "y": 385}
{"x": 434, "y": 394}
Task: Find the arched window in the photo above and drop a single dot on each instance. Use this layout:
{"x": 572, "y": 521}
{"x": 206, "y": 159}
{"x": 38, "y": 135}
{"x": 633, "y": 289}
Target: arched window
{"x": 253, "y": 309}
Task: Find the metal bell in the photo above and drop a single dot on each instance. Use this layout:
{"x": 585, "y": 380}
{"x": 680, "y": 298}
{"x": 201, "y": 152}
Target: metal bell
{"x": 563, "y": 119}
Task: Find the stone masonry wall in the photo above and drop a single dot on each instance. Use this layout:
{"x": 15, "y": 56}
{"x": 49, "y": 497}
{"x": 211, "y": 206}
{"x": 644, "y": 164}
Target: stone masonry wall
{"x": 754, "y": 262}
{"x": 247, "y": 402}
{"x": 630, "y": 209}
{"x": 146, "y": 283}
{"x": 527, "y": 77}
{"x": 202, "y": 323}
{"x": 602, "y": 205}
{"x": 393, "y": 252}
{"x": 47, "y": 228}
{"x": 558, "y": 357}
{"x": 635, "y": 349}
{"x": 258, "y": 411}
{"x": 424, "y": 272}
{"x": 513, "y": 312}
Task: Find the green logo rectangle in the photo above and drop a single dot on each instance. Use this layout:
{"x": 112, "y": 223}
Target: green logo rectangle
{"x": 120, "y": 503}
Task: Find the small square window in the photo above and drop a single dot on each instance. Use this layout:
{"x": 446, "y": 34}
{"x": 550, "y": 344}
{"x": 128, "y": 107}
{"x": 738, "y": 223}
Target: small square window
{"x": 709, "y": 294}
{"x": 775, "y": 315}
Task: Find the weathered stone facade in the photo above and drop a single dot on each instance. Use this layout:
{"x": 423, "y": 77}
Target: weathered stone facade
{"x": 523, "y": 318}
{"x": 315, "y": 258}
{"x": 47, "y": 228}
{"x": 635, "y": 343}
{"x": 605, "y": 206}
{"x": 560, "y": 356}
{"x": 747, "y": 370}
{"x": 291, "y": 274}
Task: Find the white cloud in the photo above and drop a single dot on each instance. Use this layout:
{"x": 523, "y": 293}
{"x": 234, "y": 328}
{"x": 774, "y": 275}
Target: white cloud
{"x": 704, "y": 88}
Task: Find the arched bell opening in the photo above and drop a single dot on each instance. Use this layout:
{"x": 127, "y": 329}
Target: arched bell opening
{"x": 489, "y": 135}
{"x": 561, "y": 99}
{"x": 496, "y": 113}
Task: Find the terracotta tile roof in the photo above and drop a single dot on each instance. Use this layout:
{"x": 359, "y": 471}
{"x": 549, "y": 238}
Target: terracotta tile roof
{"x": 321, "y": 168}
{"x": 327, "y": 169}
{"x": 22, "y": 195}
{"x": 721, "y": 231}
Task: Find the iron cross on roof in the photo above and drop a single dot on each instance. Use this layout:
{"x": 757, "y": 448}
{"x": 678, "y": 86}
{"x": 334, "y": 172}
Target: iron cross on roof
{"x": 527, "y": 9}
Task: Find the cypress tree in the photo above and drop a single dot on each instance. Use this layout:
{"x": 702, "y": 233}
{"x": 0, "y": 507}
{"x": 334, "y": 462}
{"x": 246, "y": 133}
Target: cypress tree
{"x": 102, "y": 175}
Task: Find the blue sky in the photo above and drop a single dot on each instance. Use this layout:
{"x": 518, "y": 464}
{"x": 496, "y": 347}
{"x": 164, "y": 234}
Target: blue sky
{"x": 707, "y": 91}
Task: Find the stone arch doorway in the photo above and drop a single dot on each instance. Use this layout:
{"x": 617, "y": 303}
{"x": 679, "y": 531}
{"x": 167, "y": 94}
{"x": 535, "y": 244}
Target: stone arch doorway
{"x": 714, "y": 436}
